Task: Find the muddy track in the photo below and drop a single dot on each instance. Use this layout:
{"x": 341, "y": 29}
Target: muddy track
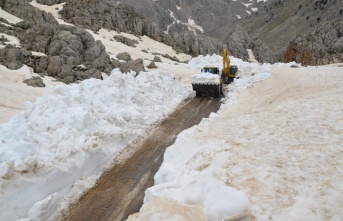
{"x": 120, "y": 191}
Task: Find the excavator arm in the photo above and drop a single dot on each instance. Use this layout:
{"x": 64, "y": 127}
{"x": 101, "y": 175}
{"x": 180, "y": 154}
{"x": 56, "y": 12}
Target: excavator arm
{"x": 226, "y": 63}
{"x": 229, "y": 72}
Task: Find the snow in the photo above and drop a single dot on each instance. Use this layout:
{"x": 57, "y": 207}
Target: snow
{"x": 190, "y": 23}
{"x": 273, "y": 150}
{"x": 178, "y": 7}
{"x": 247, "y": 4}
{"x": 238, "y": 16}
{"x": 52, "y": 10}
{"x": 279, "y": 146}
{"x": 73, "y": 131}
{"x": 9, "y": 17}
{"x": 11, "y": 40}
{"x": 205, "y": 78}
{"x": 252, "y": 57}
{"x": 16, "y": 93}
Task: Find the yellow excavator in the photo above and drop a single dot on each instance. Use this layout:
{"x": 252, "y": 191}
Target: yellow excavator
{"x": 229, "y": 73}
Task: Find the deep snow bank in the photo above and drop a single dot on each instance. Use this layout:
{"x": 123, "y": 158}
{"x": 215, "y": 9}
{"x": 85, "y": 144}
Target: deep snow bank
{"x": 58, "y": 144}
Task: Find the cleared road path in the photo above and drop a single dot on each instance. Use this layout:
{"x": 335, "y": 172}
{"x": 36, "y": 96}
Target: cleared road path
{"x": 120, "y": 190}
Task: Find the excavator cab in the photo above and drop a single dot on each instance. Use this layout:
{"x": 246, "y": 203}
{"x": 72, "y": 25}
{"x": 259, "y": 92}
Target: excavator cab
{"x": 233, "y": 70}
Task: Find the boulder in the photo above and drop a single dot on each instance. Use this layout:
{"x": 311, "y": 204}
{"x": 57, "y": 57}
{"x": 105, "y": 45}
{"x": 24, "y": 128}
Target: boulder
{"x": 115, "y": 63}
{"x": 152, "y": 65}
{"x": 96, "y": 56}
{"x": 59, "y": 68}
{"x": 68, "y": 80}
{"x": 174, "y": 58}
{"x": 124, "y": 56}
{"x": 126, "y": 41}
{"x": 14, "y": 65}
{"x": 157, "y": 59}
{"x": 13, "y": 57}
{"x": 136, "y": 65}
{"x": 35, "y": 82}
{"x": 124, "y": 67}
{"x": 90, "y": 73}
{"x": 132, "y": 65}
{"x": 42, "y": 64}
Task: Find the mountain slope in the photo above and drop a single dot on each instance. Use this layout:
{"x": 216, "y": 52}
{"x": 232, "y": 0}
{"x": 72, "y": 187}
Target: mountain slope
{"x": 205, "y": 16}
{"x": 279, "y": 21}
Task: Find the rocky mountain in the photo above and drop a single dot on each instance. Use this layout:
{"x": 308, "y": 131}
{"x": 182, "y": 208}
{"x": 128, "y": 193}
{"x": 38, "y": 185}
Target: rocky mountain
{"x": 322, "y": 45}
{"x": 266, "y": 27}
{"x": 278, "y": 22}
{"x": 206, "y": 17}
{"x": 96, "y": 14}
{"x": 273, "y": 30}
{"x": 180, "y": 30}
{"x": 67, "y": 47}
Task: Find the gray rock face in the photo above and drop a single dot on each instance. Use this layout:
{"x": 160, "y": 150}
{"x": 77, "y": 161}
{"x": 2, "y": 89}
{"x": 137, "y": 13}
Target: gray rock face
{"x": 35, "y": 82}
{"x": 238, "y": 41}
{"x": 124, "y": 18}
{"x": 23, "y": 10}
{"x": 211, "y": 16}
{"x": 277, "y": 22}
{"x": 124, "y": 56}
{"x": 66, "y": 46}
{"x": 322, "y": 45}
{"x": 262, "y": 52}
{"x": 188, "y": 43}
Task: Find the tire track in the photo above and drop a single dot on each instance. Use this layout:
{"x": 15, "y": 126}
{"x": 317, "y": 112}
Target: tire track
{"x": 120, "y": 190}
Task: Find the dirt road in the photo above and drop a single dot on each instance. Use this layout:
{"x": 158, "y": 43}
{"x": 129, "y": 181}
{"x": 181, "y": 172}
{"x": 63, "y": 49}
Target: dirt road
{"x": 120, "y": 191}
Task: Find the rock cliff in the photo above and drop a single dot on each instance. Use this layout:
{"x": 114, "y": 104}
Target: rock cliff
{"x": 322, "y": 45}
